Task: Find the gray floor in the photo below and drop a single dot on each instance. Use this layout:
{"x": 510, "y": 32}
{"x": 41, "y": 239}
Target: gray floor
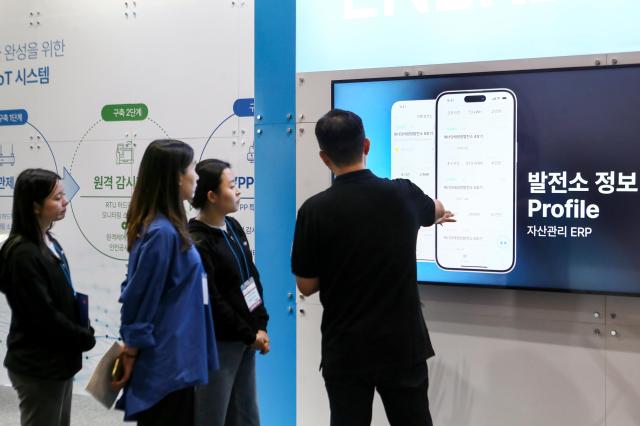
{"x": 84, "y": 411}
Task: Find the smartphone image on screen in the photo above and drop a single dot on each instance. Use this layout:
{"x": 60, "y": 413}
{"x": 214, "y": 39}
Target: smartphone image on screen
{"x": 413, "y": 157}
{"x": 476, "y": 179}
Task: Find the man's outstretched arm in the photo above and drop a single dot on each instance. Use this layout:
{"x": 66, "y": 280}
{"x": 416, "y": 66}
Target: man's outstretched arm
{"x": 442, "y": 215}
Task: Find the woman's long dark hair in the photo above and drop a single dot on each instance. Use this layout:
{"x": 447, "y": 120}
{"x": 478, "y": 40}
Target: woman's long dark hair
{"x": 157, "y": 189}
{"x": 32, "y": 187}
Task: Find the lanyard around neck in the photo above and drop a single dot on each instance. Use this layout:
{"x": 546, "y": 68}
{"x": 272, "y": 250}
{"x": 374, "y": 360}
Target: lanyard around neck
{"x": 235, "y": 255}
{"x": 64, "y": 266}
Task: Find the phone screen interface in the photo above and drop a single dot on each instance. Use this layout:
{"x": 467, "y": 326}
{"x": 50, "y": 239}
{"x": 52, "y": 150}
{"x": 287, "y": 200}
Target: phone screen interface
{"x": 413, "y": 157}
{"x": 475, "y": 159}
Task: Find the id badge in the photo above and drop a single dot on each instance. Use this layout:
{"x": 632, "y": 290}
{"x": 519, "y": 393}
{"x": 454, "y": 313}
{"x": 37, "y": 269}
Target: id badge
{"x": 205, "y": 289}
{"x": 251, "y": 295}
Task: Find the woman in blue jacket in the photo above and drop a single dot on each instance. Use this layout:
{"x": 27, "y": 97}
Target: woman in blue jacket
{"x": 48, "y": 331}
{"x": 166, "y": 321}
{"x": 236, "y": 296}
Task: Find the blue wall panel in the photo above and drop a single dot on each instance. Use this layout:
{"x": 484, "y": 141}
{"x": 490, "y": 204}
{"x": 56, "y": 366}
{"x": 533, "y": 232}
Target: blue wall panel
{"x": 275, "y": 70}
{"x": 275, "y": 203}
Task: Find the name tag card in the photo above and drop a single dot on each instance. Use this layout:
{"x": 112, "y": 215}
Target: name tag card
{"x": 205, "y": 289}
{"x": 251, "y": 296}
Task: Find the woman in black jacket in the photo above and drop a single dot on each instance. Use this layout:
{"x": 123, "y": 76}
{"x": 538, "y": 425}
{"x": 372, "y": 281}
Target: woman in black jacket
{"x": 46, "y": 337}
{"x": 235, "y": 290}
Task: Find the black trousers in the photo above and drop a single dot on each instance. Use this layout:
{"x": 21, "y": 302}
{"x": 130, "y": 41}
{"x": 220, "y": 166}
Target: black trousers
{"x": 403, "y": 393}
{"x": 43, "y": 402}
{"x": 175, "y": 409}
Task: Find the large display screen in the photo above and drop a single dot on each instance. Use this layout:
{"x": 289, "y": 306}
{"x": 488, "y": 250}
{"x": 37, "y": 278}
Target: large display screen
{"x": 539, "y": 167}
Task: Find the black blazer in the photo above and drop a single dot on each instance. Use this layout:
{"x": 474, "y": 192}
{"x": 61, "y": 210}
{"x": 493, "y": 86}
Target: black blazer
{"x": 231, "y": 317}
{"x": 45, "y": 339}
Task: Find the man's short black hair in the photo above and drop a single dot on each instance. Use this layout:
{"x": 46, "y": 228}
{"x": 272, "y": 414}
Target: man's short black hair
{"x": 340, "y": 134}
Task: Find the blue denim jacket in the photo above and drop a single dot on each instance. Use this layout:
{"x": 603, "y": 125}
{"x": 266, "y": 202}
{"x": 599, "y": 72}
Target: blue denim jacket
{"x": 164, "y": 315}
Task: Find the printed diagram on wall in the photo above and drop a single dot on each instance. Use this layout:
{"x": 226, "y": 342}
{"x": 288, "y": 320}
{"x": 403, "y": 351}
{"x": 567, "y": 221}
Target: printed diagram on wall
{"x": 75, "y": 102}
{"x": 102, "y": 174}
{"x": 106, "y": 173}
{"x": 30, "y": 149}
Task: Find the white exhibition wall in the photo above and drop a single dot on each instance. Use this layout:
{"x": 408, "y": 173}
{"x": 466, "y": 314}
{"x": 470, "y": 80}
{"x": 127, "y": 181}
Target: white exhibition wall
{"x": 95, "y": 82}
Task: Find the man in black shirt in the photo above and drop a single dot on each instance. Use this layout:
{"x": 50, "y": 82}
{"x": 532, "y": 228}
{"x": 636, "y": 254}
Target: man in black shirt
{"x": 356, "y": 243}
